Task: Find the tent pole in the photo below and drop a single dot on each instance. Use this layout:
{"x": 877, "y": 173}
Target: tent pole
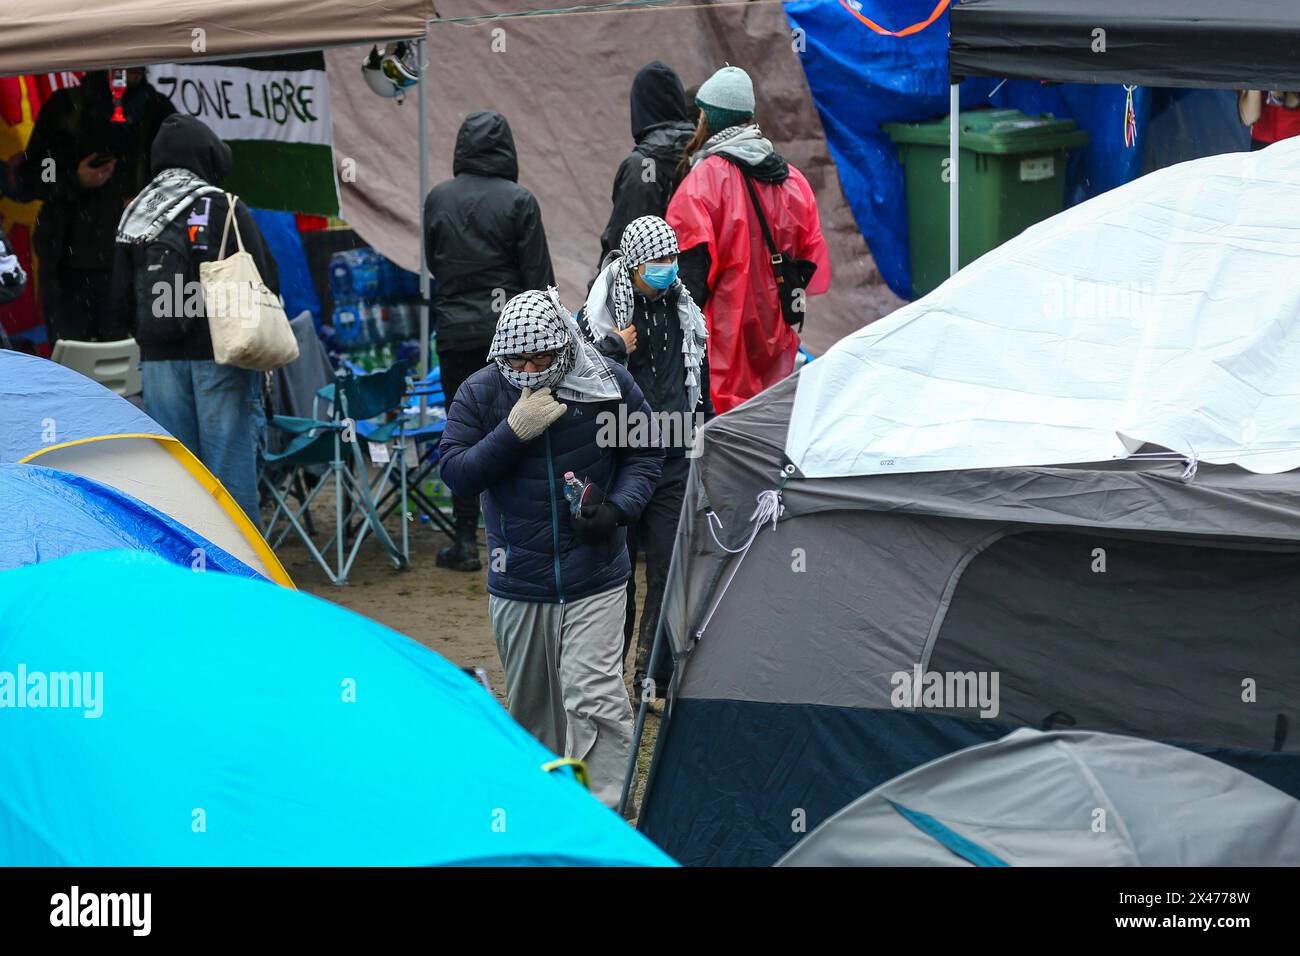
{"x": 629, "y": 777}
{"x": 422, "y": 105}
{"x": 954, "y": 108}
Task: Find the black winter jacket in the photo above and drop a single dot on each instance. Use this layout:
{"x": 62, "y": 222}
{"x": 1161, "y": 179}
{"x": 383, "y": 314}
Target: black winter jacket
{"x": 656, "y": 364}
{"x": 484, "y": 240}
{"x": 76, "y": 226}
{"x": 158, "y": 318}
{"x": 533, "y": 552}
{"x": 645, "y": 181}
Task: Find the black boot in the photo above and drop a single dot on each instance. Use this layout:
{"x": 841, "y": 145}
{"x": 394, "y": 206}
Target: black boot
{"x": 462, "y": 554}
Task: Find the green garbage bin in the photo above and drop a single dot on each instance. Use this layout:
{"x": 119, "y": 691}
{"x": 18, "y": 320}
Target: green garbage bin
{"x": 1012, "y": 175}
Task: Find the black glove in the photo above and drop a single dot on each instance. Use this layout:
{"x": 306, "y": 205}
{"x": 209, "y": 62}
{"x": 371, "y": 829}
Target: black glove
{"x": 597, "y": 519}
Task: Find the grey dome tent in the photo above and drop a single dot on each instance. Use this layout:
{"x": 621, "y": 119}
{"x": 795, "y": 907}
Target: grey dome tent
{"x": 1062, "y": 799}
{"x": 1022, "y": 501}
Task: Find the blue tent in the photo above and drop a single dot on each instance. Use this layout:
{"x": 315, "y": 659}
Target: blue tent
{"x": 215, "y": 720}
{"x": 48, "y": 514}
{"x": 44, "y": 406}
{"x": 64, "y": 421}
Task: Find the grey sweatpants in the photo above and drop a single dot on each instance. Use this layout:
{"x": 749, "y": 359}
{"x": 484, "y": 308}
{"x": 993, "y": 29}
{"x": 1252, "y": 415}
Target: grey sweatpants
{"x": 564, "y": 680}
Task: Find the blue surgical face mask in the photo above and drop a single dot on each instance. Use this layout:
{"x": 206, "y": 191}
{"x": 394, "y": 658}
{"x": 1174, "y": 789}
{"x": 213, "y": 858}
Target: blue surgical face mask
{"x": 660, "y": 276}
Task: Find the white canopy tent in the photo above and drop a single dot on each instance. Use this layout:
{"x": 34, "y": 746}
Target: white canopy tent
{"x": 73, "y": 35}
{"x": 70, "y": 35}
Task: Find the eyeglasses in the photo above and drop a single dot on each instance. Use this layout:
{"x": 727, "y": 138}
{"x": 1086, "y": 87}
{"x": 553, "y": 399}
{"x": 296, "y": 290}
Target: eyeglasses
{"x": 540, "y": 362}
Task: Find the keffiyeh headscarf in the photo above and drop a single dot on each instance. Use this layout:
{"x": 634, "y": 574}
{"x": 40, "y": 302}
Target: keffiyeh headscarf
{"x": 165, "y": 198}
{"x": 644, "y": 239}
{"x": 610, "y": 303}
{"x": 537, "y": 321}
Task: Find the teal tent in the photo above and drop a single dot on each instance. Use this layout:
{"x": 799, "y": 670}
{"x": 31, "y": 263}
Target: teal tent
{"x": 157, "y": 716}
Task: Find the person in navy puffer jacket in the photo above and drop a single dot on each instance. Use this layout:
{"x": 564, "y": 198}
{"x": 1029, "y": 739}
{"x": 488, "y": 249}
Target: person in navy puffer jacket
{"x": 550, "y": 404}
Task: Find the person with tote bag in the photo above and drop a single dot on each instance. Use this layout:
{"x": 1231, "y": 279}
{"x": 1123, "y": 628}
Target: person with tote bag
{"x": 169, "y": 245}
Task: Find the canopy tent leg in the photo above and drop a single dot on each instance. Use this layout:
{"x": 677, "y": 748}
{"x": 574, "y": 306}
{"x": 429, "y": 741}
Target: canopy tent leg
{"x": 629, "y": 776}
{"x": 954, "y": 108}
{"x": 422, "y": 105}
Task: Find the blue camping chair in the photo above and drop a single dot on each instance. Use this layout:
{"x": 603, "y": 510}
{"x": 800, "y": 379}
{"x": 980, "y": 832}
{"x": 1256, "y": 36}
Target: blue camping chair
{"x": 366, "y": 413}
{"x": 425, "y": 438}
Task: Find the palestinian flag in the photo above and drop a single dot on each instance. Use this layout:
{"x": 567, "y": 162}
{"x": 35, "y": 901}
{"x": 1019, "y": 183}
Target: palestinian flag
{"x": 274, "y": 111}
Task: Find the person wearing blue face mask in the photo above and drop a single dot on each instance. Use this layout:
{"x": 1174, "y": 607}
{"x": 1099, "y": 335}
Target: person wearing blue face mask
{"x": 640, "y": 314}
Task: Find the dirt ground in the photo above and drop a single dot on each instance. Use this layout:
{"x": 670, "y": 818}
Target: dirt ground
{"x": 443, "y": 610}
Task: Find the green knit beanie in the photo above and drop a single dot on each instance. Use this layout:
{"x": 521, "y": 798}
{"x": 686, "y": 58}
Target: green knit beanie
{"x": 720, "y": 119}
{"x": 727, "y": 98}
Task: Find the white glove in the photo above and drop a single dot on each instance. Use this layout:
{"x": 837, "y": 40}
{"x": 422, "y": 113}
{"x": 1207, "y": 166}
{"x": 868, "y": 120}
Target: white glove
{"x": 534, "y": 413}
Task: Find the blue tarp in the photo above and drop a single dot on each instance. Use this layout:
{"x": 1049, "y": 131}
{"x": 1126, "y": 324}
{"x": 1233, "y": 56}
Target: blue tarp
{"x": 236, "y": 722}
{"x": 860, "y": 80}
{"x": 47, "y": 514}
{"x": 44, "y": 404}
{"x": 280, "y": 230}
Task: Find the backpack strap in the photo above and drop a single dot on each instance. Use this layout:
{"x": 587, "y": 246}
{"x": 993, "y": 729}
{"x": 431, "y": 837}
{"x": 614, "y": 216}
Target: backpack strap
{"x": 777, "y": 258}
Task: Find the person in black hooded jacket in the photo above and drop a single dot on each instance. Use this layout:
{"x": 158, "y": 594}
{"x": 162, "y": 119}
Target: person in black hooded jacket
{"x": 174, "y": 225}
{"x": 85, "y": 167}
{"x": 484, "y": 244}
{"x": 661, "y": 128}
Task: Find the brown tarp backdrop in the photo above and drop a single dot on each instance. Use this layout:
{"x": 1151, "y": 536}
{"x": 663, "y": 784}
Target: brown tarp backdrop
{"x": 49, "y": 35}
{"x": 563, "y": 81}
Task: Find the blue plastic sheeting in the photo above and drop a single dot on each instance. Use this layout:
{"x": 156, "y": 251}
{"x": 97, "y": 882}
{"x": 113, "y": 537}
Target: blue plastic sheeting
{"x": 280, "y": 230}
{"x": 860, "y": 80}
{"x": 48, "y": 514}
{"x": 44, "y": 404}
{"x": 236, "y": 722}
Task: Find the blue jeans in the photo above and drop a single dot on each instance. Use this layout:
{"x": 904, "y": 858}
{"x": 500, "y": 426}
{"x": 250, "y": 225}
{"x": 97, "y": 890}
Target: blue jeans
{"x": 216, "y": 412}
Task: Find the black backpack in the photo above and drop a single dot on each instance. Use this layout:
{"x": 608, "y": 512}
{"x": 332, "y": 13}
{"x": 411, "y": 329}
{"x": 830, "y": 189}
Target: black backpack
{"x": 792, "y": 275}
{"x": 160, "y": 314}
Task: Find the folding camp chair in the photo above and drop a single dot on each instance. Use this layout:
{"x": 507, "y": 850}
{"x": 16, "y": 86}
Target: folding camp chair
{"x": 358, "y": 406}
{"x": 425, "y": 440}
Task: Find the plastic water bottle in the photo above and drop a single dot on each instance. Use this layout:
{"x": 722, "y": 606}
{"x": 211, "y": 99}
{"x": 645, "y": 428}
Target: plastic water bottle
{"x": 349, "y": 329}
{"x": 573, "y": 489}
{"x": 378, "y": 317}
{"x": 341, "y": 277}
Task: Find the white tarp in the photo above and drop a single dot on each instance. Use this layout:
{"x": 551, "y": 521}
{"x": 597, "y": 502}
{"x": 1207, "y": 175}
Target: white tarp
{"x": 1166, "y": 311}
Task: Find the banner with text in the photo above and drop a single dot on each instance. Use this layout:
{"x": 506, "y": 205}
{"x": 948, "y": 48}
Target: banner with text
{"x": 275, "y": 114}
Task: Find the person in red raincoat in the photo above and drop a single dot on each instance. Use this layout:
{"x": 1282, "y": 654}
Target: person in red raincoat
{"x": 725, "y": 263}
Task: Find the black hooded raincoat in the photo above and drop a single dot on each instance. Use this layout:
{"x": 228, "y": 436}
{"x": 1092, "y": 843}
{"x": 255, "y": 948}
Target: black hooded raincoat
{"x": 484, "y": 240}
